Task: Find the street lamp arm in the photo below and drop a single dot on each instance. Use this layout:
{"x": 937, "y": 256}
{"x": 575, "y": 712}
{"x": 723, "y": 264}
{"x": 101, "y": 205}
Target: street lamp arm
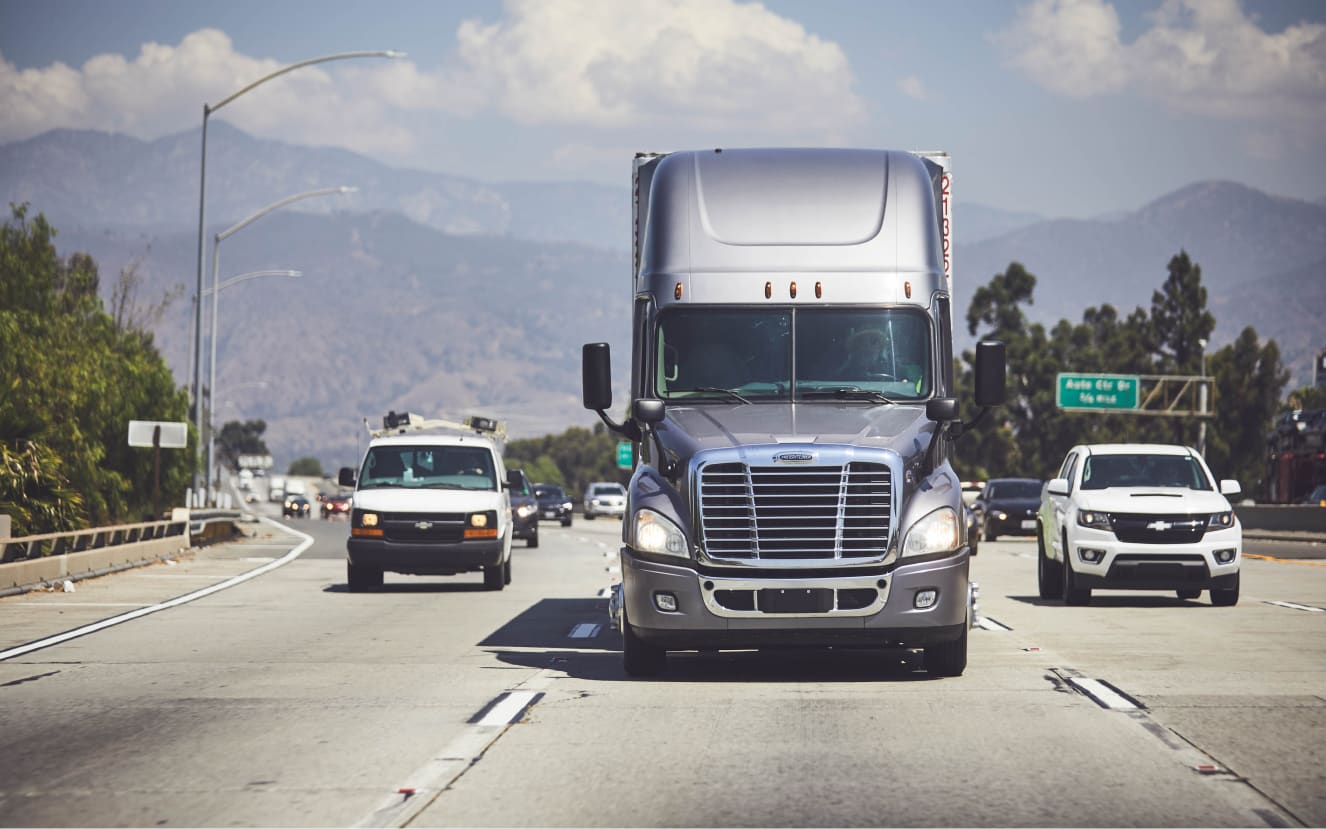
{"x": 387, "y": 53}
{"x": 276, "y": 205}
{"x": 253, "y": 275}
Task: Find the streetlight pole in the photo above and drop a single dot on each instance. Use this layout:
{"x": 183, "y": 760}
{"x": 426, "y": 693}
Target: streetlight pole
{"x": 216, "y": 268}
{"x": 196, "y": 339}
{"x": 1202, "y": 405}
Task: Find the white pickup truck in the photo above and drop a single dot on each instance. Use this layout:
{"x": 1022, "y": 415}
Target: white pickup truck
{"x": 1138, "y": 516}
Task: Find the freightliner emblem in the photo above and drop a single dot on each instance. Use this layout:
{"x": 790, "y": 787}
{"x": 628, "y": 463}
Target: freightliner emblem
{"x": 793, "y": 457}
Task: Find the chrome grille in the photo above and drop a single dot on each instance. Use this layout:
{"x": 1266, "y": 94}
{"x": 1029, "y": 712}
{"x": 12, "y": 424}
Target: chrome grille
{"x": 783, "y": 513}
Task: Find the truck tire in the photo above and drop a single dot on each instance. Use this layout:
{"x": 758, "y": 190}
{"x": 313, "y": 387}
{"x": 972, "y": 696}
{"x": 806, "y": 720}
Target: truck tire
{"x": 494, "y": 578}
{"x": 947, "y": 658}
{"x": 1226, "y": 597}
{"x": 639, "y": 658}
{"x": 359, "y": 577}
{"x": 1048, "y": 578}
{"x": 1073, "y": 595}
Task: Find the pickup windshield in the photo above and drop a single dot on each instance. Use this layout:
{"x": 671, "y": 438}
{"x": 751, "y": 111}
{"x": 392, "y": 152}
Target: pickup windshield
{"x": 428, "y": 467}
{"x": 1179, "y": 471}
{"x": 874, "y": 355}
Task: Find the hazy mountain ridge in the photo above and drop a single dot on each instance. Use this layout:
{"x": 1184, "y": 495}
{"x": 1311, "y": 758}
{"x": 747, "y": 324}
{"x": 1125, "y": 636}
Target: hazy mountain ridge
{"x": 445, "y": 294}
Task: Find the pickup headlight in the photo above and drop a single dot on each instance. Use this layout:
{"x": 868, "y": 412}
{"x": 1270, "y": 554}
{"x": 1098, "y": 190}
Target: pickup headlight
{"x": 1094, "y": 520}
{"x": 935, "y": 533}
{"x": 652, "y": 533}
{"x": 1220, "y": 520}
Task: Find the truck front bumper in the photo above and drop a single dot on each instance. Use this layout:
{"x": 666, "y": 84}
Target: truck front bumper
{"x": 751, "y": 610}
{"x": 424, "y": 559}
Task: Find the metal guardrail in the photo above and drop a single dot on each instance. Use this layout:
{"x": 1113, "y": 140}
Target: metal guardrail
{"x": 76, "y": 541}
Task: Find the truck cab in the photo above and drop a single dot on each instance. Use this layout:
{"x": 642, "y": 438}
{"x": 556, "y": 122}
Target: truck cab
{"x": 793, "y": 405}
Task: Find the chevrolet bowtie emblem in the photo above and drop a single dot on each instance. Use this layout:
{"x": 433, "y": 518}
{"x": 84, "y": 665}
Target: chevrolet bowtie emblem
{"x": 1160, "y": 526}
{"x": 423, "y": 525}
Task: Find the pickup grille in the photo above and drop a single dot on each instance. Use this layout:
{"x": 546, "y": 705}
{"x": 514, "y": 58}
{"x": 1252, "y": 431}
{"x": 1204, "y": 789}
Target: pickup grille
{"x": 1138, "y": 528}
{"x": 783, "y": 513}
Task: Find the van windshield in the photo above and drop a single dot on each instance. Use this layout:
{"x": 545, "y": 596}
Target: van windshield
{"x": 872, "y": 354}
{"x": 428, "y": 467}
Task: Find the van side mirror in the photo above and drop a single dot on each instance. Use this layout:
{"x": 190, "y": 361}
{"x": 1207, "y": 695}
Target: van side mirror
{"x": 596, "y": 376}
{"x": 990, "y": 370}
{"x": 347, "y": 477}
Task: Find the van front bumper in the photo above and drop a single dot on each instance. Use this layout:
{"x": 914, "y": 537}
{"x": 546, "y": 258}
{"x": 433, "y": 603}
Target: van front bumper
{"x": 750, "y": 610}
{"x": 424, "y": 559}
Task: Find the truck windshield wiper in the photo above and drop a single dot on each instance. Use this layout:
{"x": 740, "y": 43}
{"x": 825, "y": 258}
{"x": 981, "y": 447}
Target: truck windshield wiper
{"x": 716, "y": 390}
{"x": 848, "y": 393}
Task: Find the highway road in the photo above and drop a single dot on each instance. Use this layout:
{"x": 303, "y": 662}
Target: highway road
{"x": 285, "y": 700}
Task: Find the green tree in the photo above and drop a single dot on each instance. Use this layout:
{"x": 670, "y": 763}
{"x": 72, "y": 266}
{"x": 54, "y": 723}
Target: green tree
{"x": 307, "y": 466}
{"x": 1249, "y": 380}
{"x": 236, "y": 438}
{"x": 572, "y": 459}
{"x": 1180, "y": 326}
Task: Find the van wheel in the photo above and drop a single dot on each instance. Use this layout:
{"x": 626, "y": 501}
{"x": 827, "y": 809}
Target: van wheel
{"x": 639, "y": 658}
{"x": 359, "y": 577}
{"x": 1188, "y": 593}
{"x": 494, "y": 578}
{"x": 1226, "y": 597}
{"x": 947, "y": 658}
{"x": 1048, "y": 578}
{"x": 1073, "y": 595}
{"x": 506, "y": 571}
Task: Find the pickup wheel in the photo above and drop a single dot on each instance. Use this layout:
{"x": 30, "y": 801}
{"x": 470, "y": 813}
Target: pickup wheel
{"x": 947, "y": 658}
{"x": 359, "y": 577}
{"x": 639, "y": 658}
{"x": 1049, "y": 579}
{"x": 1227, "y": 597}
{"x": 1073, "y": 595}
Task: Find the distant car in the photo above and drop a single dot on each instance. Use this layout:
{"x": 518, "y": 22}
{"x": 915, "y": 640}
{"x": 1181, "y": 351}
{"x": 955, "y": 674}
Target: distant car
{"x": 604, "y": 498}
{"x": 296, "y": 506}
{"x": 1007, "y": 506}
{"x": 1138, "y": 516}
{"x": 1317, "y": 497}
{"x": 973, "y": 529}
{"x": 971, "y": 489}
{"x": 335, "y": 506}
{"x": 554, "y": 503}
{"x": 524, "y": 508}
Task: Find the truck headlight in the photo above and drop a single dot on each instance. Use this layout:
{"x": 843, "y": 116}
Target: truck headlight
{"x": 1094, "y": 520}
{"x": 935, "y": 533}
{"x": 652, "y": 533}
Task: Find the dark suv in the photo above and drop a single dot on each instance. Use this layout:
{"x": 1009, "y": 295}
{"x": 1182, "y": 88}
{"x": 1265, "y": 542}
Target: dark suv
{"x": 554, "y": 503}
{"x": 1007, "y": 506}
{"x": 524, "y": 508}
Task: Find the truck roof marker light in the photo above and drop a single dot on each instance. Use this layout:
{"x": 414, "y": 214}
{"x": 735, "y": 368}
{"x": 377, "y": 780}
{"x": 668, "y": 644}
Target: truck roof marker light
{"x": 768, "y": 290}
{"x": 907, "y": 289}
{"x": 792, "y": 290}
{"x": 676, "y": 292}
{"x": 819, "y": 290}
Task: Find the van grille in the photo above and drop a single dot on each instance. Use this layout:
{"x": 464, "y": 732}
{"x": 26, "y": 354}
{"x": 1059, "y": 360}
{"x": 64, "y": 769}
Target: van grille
{"x": 782, "y": 513}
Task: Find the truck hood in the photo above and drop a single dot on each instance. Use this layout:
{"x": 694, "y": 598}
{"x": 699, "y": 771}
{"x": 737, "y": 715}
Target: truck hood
{"x": 1158, "y": 500}
{"x": 397, "y": 499}
{"x": 690, "y": 429}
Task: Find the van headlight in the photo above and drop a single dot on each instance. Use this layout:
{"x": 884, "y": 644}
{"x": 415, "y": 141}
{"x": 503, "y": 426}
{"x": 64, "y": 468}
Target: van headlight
{"x": 652, "y": 533}
{"x": 935, "y": 533}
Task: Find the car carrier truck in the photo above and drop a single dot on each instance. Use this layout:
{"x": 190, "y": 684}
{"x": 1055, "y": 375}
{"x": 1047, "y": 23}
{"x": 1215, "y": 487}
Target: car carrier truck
{"x": 793, "y": 407}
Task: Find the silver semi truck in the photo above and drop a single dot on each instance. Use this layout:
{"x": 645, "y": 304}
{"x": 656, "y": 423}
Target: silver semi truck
{"x": 793, "y": 406}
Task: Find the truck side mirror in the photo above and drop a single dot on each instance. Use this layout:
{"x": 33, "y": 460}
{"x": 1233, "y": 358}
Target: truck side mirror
{"x": 990, "y": 370}
{"x": 347, "y": 477}
{"x": 649, "y": 410}
{"x": 596, "y": 376}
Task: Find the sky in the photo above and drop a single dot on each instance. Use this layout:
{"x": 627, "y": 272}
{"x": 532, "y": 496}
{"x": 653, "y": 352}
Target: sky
{"x": 1062, "y": 108}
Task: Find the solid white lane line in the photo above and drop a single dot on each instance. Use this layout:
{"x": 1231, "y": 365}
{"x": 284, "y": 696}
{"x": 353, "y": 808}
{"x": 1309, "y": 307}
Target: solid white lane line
{"x": 987, "y": 623}
{"x": 1102, "y": 694}
{"x": 1293, "y": 606}
{"x": 585, "y": 630}
{"x": 175, "y": 602}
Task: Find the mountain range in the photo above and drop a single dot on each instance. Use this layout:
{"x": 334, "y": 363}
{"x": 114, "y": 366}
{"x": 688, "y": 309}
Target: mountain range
{"x": 450, "y": 296}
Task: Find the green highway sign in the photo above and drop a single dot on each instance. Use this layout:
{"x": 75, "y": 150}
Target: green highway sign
{"x": 625, "y": 455}
{"x": 1097, "y": 392}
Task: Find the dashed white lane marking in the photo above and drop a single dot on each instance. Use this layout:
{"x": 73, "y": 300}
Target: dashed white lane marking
{"x": 986, "y": 623}
{"x": 175, "y": 602}
{"x": 428, "y": 781}
{"x": 1293, "y": 606}
{"x": 1102, "y": 694}
{"x": 585, "y": 630}
{"x": 259, "y": 559}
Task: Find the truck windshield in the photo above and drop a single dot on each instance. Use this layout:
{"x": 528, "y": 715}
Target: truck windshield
{"x": 428, "y": 467}
{"x": 874, "y": 354}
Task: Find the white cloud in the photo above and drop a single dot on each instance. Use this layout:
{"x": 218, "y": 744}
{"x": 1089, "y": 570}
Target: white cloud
{"x": 1198, "y": 56}
{"x": 912, "y": 87}
{"x": 698, "y": 63}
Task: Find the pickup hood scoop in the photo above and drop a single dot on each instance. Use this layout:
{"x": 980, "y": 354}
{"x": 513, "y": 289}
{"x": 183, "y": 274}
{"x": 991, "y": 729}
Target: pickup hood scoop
{"x": 1154, "y": 500}
{"x": 689, "y": 429}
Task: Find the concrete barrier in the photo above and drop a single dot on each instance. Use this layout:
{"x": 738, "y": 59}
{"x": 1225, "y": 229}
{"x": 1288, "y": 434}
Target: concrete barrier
{"x": 26, "y": 573}
{"x": 1283, "y": 518}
